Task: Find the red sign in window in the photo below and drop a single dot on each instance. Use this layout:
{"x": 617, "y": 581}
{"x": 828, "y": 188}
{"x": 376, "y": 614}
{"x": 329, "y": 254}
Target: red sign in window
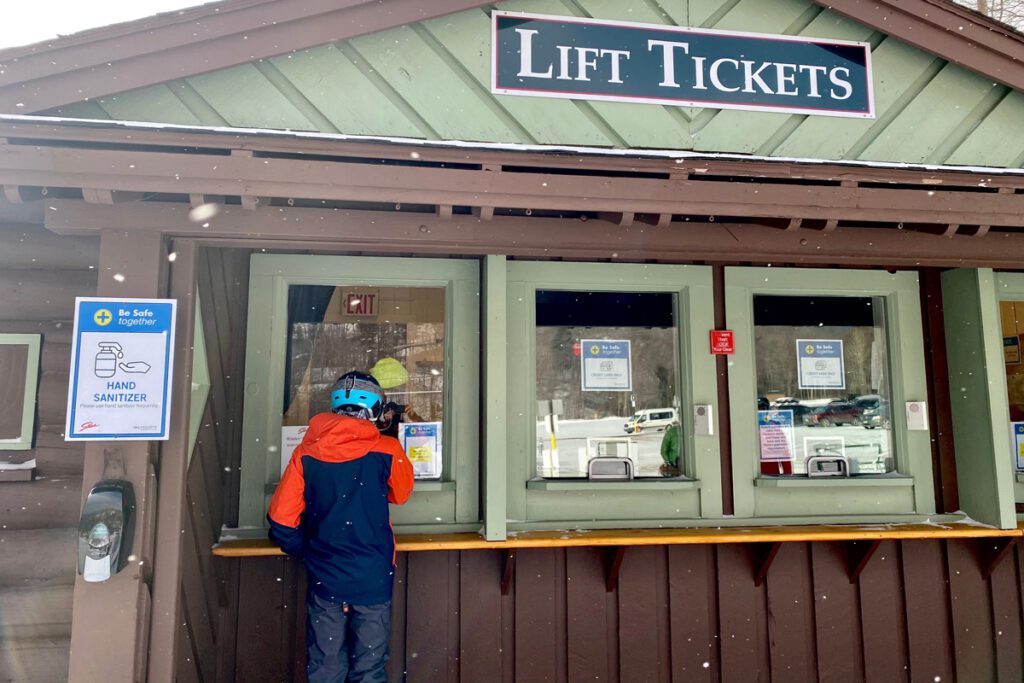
{"x": 722, "y": 342}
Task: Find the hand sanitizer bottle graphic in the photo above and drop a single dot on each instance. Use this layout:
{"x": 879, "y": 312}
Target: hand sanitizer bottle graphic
{"x": 106, "y": 360}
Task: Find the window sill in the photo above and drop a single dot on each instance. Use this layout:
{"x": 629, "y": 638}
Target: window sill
{"x": 432, "y": 485}
{"x": 613, "y": 485}
{"x": 1020, "y": 477}
{"x": 834, "y": 482}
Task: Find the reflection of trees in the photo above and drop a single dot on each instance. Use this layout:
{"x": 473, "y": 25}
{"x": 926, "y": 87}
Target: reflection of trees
{"x": 559, "y": 371}
{"x": 321, "y": 352}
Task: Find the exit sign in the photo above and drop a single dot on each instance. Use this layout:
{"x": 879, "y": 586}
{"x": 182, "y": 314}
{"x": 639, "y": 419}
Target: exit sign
{"x": 722, "y": 342}
{"x": 361, "y": 304}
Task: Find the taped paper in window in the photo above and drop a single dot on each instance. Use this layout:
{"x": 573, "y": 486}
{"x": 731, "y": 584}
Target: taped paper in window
{"x": 423, "y": 446}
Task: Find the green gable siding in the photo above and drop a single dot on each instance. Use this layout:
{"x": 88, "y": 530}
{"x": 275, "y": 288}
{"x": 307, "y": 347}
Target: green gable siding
{"x": 432, "y": 80}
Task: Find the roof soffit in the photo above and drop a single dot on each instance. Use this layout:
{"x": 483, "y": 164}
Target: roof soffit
{"x": 177, "y": 45}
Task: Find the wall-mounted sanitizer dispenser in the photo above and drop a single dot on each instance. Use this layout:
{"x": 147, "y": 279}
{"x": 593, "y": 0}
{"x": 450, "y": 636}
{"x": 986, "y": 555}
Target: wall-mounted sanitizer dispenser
{"x": 106, "y": 529}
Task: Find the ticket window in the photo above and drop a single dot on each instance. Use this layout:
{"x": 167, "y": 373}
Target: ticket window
{"x": 828, "y": 394}
{"x": 1011, "y": 314}
{"x": 607, "y": 365}
{"x": 395, "y": 333}
{"x": 412, "y": 323}
{"x": 823, "y": 385}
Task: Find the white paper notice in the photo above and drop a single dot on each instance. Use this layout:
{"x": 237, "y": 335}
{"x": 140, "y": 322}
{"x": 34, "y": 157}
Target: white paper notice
{"x": 290, "y": 438}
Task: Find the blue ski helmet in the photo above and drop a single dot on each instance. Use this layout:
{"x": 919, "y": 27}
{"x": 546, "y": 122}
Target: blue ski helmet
{"x": 357, "y": 394}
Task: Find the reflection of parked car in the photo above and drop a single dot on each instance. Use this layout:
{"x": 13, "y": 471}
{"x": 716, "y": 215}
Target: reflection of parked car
{"x": 876, "y": 416}
{"x": 655, "y": 419}
{"x": 835, "y": 413}
{"x": 786, "y": 401}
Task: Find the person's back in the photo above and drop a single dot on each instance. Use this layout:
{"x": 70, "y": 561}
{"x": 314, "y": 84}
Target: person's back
{"x": 331, "y": 509}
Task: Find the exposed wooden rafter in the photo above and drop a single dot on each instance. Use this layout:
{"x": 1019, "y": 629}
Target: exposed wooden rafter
{"x": 400, "y": 231}
{"x": 131, "y": 170}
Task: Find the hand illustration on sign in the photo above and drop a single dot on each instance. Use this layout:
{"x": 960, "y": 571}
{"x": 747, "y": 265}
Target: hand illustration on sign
{"x": 106, "y": 365}
{"x": 137, "y": 367}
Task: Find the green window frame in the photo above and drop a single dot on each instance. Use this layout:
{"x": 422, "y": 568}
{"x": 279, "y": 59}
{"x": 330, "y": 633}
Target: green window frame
{"x": 1009, "y": 287}
{"x": 450, "y": 504}
{"x": 33, "y": 342}
{"x": 538, "y": 504}
{"x": 863, "y": 498}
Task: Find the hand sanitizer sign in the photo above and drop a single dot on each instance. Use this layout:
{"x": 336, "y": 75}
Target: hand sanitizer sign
{"x": 121, "y": 367}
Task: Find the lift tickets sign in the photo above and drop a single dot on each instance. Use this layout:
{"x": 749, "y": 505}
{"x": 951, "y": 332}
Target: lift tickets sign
{"x": 121, "y": 368}
{"x": 586, "y": 59}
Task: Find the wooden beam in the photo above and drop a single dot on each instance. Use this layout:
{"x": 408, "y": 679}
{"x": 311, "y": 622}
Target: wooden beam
{"x": 395, "y": 232}
{"x": 992, "y": 551}
{"x": 794, "y": 224}
{"x": 763, "y": 554}
{"x": 508, "y": 571}
{"x": 613, "y": 562}
{"x": 484, "y": 213}
{"x": 343, "y": 181}
{"x": 491, "y": 159}
{"x": 858, "y": 554}
{"x": 174, "y": 459}
{"x": 95, "y": 196}
{"x": 12, "y": 193}
{"x": 612, "y": 538}
{"x": 444, "y": 211}
{"x": 119, "y": 650}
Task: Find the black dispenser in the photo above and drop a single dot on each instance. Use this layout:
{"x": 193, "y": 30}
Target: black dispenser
{"x": 106, "y": 529}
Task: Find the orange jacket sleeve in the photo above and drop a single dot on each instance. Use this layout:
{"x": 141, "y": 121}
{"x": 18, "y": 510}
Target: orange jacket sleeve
{"x": 400, "y": 482}
{"x": 289, "y": 502}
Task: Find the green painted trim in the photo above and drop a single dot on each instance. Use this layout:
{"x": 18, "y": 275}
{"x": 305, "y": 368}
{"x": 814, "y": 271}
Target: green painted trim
{"x": 1010, "y": 287}
{"x": 631, "y": 485}
{"x": 833, "y": 482}
{"x": 269, "y": 279}
{"x": 909, "y": 383}
{"x": 200, "y": 380}
{"x": 981, "y": 412}
{"x": 28, "y": 399}
{"x": 495, "y": 380}
{"x": 696, "y": 382}
{"x": 727, "y": 522}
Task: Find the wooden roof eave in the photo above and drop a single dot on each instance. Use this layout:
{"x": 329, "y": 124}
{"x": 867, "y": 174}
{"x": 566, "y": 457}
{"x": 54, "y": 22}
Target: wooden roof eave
{"x": 172, "y": 46}
{"x": 157, "y": 50}
{"x": 28, "y": 130}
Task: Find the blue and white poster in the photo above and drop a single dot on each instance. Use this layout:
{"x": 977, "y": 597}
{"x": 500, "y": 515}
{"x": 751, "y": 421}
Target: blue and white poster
{"x": 423, "y": 446}
{"x": 775, "y": 435}
{"x": 121, "y": 368}
{"x": 820, "y": 364}
{"x": 607, "y": 364}
{"x": 1018, "y": 444}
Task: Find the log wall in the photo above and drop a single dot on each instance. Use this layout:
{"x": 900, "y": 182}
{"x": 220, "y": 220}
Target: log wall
{"x": 40, "y": 275}
{"x": 921, "y": 612}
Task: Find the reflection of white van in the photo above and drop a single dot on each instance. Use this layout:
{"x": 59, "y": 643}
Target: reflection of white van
{"x": 653, "y": 419}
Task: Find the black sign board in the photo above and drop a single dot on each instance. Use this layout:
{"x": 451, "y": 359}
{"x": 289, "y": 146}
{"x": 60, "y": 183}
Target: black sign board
{"x": 587, "y": 59}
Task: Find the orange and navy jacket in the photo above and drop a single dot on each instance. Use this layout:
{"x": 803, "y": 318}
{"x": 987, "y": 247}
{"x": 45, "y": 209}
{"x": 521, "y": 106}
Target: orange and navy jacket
{"x": 331, "y": 508}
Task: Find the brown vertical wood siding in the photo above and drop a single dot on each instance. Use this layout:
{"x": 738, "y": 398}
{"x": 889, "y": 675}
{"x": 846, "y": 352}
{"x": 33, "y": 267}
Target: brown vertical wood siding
{"x": 210, "y": 611}
{"x": 921, "y": 612}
